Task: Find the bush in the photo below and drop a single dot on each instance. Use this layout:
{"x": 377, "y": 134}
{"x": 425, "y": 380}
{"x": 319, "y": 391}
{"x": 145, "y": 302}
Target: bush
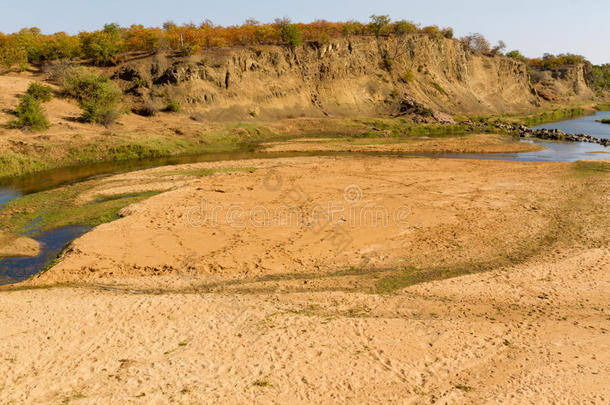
{"x": 290, "y": 33}
{"x": 172, "y": 106}
{"x": 40, "y": 92}
{"x": 30, "y": 114}
{"x": 447, "y": 33}
{"x": 476, "y": 42}
{"x": 407, "y": 76}
{"x": 387, "y": 63}
{"x": 149, "y": 109}
{"x": 403, "y": 27}
{"x": 432, "y": 31}
{"x": 516, "y": 55}
{"x": 97, "y": 96}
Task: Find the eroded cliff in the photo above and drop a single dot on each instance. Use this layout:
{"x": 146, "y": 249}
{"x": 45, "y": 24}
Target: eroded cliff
{"x": 344, "y": 77}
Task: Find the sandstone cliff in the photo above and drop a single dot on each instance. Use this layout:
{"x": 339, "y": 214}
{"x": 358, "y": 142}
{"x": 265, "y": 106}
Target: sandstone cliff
{"x": 345, "y": 77}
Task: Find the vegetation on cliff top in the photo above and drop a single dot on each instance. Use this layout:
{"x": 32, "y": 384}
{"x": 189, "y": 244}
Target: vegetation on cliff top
{"x": 104, "y": 47}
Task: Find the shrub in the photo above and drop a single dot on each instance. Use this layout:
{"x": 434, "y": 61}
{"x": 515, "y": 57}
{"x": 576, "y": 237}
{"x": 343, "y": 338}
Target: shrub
{"x": 432, "y": 31}
{"x": 447, "y": 33}
{"x": 476, "y": 42}
{"x": 172, "y": 106}
{"x": 516, "y": 55}
{"x": 407, "y": 76}
{"x": 97, "y": 96}
{"x": 40, "y": 92}
{"x": 499, "y": 48}
{"x": 30, "y": 114}
{"x": 138, "y": 83}
{"x": 149, "y": 109}
{"x": 403, "y": 27}
{"x": 387, "y": 63}
{"x": 290, "y": 33}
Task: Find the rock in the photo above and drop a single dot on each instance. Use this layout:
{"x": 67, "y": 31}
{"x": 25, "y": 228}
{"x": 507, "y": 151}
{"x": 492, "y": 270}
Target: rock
{"x": 443, "y": 118}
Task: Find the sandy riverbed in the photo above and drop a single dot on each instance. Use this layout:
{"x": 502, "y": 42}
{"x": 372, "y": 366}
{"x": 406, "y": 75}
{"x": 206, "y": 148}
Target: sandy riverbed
{"x": 163, "y": 306}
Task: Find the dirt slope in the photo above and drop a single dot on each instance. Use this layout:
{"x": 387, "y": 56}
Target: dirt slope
{"x": 357, "y": 76}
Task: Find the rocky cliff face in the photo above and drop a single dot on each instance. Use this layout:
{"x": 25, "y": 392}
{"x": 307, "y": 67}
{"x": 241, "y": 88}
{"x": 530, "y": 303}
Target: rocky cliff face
{"x": 571, "y": 83}
{"x": 345, "y": 77}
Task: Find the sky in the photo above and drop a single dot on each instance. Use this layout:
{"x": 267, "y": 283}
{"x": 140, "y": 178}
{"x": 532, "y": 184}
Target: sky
{"x": 532, "y": 26}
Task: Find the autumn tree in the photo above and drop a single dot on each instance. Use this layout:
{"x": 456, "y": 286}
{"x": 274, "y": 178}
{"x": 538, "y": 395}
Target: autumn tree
{"x": 12, "y": 52}
{"x": 102, "y": 46}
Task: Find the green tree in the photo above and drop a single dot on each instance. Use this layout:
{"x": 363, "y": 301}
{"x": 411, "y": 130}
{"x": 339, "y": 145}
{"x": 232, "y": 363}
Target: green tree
{"x": 379, "y": 24}
{"x": 290, "y": 33}
{"x": 102, "y": 46}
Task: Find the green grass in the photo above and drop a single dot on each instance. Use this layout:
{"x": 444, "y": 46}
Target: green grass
{"x": 587, "y": 167}
{"x": 603, "y": 107}
{"x": 207, "y": 172}
{"x": 439, "y": 88}
{"x": 536, "y": 118}
{"x": 110, "y": 148}
{"x": 262, "y": 383}
{"x": 36, "y": 213}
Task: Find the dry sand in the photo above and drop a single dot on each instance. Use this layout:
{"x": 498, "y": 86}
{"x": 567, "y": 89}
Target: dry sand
{"x": 17, "y": 246}
{"x": 536, "y": 333}
{"x": 476, "y": 143}
{"x": 159, "y": 308}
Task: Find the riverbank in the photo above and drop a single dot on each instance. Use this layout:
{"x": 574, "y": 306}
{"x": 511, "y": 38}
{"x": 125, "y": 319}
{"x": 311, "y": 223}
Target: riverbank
{"x": 70, "y": 142}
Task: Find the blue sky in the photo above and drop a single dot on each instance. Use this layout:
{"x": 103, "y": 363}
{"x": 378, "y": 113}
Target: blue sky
{"x": 532, "y": 26}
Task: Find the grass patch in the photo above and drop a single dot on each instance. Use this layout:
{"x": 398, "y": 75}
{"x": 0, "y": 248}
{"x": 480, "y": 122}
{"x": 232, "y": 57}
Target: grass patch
{"x": 172, "y": 106}
{"x": 439, "y": 88}
{"x": 588, "y": 167}
{"x": 15, "y": 164}
{"x": 208, "y": 172}
{"x": 603, "y": 107}
{"x": 537, "y": 118}
{"x": 36, "y": 213}
{"x": 262, "y": 383}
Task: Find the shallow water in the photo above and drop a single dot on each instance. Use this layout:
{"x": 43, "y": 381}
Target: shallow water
{"x": 52, "y": 242}
{"x": 586, "y": 125}
{"x": 554, "y": 152}
{"x": 15, "y": 269}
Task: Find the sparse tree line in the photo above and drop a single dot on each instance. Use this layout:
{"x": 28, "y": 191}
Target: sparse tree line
{"x": 103, "y": 47}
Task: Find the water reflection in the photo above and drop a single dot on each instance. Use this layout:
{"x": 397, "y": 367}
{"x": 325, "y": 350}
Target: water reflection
{"x": 583, "y": 125}
{"x": 15, "y": 269}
